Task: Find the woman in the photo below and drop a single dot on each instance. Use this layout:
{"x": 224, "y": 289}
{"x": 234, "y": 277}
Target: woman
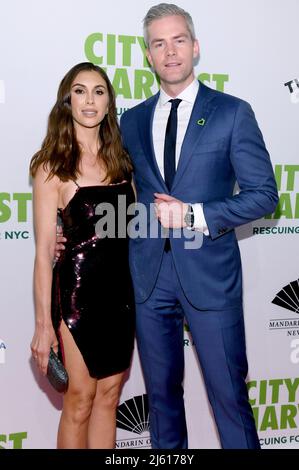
{"x": 84, "y": 307}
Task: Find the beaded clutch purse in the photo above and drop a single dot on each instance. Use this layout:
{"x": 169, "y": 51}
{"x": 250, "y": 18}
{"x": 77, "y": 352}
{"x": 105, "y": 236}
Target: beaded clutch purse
{"x": 56, "y": 373}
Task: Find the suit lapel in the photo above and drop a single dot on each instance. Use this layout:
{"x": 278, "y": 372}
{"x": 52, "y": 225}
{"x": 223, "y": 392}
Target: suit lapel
{"x": 145, "y": 126}
{"x": 199, "y": 121}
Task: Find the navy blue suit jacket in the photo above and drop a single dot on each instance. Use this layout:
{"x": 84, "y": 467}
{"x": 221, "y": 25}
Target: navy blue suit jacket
{"x": 222, "y": 145}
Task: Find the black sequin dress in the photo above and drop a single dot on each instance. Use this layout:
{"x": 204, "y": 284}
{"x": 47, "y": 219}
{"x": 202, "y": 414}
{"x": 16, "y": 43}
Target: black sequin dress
{"x": 92, "y": 290}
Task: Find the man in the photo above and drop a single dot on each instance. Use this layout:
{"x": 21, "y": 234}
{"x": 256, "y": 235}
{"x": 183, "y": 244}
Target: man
{"x": 188, "y": 155}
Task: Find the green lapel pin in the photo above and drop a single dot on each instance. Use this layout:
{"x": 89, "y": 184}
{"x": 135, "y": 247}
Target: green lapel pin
{"x": 201, "y": 122}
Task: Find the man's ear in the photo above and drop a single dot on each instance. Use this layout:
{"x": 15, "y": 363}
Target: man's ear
{"x": 196, "y": 49}
{"x": 148, "y": 56}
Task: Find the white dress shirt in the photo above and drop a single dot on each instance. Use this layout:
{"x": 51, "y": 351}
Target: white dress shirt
{"x": 161, "y": 114}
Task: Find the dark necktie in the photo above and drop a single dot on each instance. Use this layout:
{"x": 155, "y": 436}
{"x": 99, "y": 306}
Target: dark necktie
{"x": 170, "y": 143}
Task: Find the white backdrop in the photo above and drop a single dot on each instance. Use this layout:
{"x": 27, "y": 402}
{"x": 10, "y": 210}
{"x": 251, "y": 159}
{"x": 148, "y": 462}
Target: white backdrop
{"x": 250, "y": 46}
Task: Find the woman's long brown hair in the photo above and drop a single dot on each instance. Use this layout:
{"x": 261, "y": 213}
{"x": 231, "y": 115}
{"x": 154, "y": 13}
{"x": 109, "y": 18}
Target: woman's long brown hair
{"x": 60, "y": 152}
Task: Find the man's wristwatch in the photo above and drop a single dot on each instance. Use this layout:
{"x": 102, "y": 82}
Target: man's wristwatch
{"x": 189, "y": 217}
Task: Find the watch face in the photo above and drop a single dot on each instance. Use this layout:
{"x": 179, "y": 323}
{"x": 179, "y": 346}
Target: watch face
{"x": 188, "y": 219}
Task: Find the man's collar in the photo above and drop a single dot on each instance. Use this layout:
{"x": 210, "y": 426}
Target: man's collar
{"x": 188, "y": 94}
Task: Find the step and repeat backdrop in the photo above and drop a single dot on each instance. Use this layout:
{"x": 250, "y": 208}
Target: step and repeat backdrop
{"x": 249, "y": 48}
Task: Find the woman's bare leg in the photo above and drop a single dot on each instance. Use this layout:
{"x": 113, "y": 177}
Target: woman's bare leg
{"x": 78, "y": 400}
{"x": 102, "y": 422}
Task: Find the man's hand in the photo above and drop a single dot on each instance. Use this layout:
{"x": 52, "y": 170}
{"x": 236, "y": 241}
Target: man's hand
{"x": 170, "y": 211}
{"x": 60, "y": 240}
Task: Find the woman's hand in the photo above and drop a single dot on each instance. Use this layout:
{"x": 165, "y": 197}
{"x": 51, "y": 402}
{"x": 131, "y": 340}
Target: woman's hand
{"x": 44, "y": 338}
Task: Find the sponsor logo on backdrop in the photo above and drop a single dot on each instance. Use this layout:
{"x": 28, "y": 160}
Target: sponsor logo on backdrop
{"x": 2, "y": 351}
{"x": 287, "y": 210}
{"x": 14, "y": 214}
{"x": 275, "y": 407}
{"x": 188, "y": 341}
{"x": 2, "y": 92}
{"x": 288, "y": 323}
{"x": 288, "y": 299}
{"x": 133, "y": 417}
{"x": 12, "y": 440}
{"x": 293, "y": 88}
{"x": 124, "y": 59}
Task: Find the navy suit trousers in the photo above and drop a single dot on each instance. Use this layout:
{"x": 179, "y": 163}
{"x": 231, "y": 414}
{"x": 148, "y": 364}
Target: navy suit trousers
{"x": 220, "y": 345}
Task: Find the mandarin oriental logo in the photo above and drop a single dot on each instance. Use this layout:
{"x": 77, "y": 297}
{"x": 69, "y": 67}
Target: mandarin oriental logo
{"x": 288, "y": 297}
{"x": 133, "y": 417}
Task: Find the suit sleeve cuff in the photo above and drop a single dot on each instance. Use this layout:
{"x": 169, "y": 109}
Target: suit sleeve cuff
{"x": 200, "y": 223}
